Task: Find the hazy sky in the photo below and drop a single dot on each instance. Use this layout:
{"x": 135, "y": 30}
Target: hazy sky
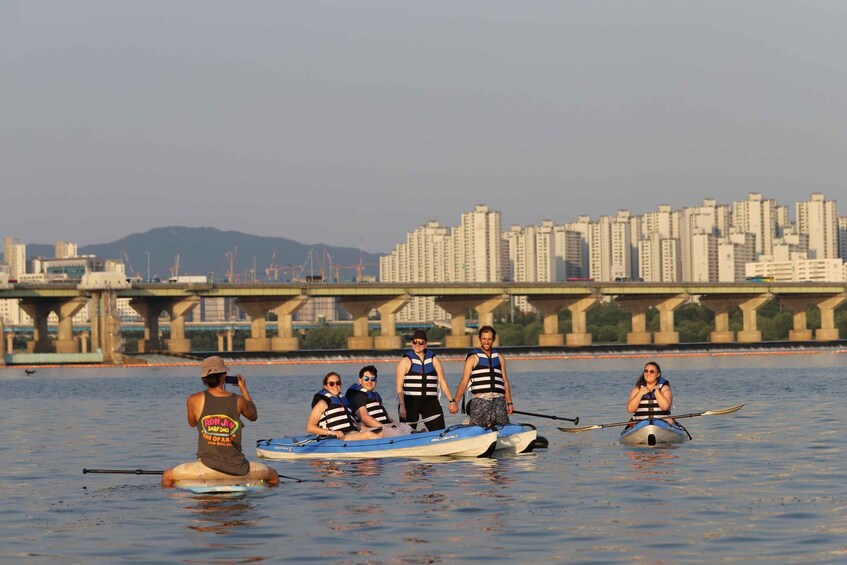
{"x": 334, "y": 122}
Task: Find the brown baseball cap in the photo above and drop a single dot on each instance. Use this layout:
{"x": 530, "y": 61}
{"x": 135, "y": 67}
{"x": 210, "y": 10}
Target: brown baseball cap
{"x": 212, "y": 366}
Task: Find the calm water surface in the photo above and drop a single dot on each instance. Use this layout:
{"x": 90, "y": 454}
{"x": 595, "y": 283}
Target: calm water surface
{"x": 766, "y": 484}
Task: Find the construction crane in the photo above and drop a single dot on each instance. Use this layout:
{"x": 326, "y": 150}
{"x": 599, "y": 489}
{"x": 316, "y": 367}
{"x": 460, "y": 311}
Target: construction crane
{"x": 129, "y": 264}
{"x": 273, "y": 268}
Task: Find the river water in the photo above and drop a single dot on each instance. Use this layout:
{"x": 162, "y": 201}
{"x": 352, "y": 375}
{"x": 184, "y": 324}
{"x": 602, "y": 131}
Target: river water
{"x": 767, "y": 484}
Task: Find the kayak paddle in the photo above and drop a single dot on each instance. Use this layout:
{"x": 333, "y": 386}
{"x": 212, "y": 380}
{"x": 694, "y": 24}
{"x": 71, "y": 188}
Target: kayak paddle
{"x": 692, "y": 415}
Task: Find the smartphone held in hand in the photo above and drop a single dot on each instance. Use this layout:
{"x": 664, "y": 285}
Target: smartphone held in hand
{"x": 231, "y": 380}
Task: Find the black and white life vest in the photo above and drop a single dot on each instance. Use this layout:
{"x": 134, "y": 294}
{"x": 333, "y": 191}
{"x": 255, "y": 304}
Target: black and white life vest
{"x": 487, "y": 375}
{"x": 372, "y": 403}
{"x": 421, "y": 379}
{"x": 648, "y": 406}
{"x": 337, "y": 416}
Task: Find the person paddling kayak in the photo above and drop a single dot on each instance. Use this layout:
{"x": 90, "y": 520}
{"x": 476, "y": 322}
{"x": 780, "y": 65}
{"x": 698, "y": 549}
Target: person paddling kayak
{"x": 651, "y": 397}
{"x": 216, "y": 413}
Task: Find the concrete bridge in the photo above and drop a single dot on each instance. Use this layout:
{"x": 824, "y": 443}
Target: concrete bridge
{"x": 257, "y": 300}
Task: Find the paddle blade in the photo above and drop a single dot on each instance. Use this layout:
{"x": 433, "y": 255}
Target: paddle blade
{"x": 580, "y": 430}
{"x": 724, "y": 411}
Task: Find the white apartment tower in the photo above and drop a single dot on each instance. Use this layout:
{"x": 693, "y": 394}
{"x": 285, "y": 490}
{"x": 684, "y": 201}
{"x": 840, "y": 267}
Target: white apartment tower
{"x": 65, "y": 250}
{"x": 531, "y": 256}
{"x": 14, "y": 255}
{"x": 734, "y": 252}
{"x": 818, "y": 218}
{"x": 479, "y": 246}
{"x": 708, "y": 218}
{"x": 610, "y": 243}
{"x": 582, "y": 227}
{"x": 761, "y": 218}
{"x": 567, "y": 247}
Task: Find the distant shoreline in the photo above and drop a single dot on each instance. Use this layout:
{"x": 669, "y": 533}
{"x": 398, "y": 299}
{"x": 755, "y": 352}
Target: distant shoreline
{"x": 519, "y": 353}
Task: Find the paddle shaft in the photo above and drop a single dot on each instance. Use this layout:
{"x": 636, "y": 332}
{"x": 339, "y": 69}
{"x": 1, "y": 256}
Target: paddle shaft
{"x": 574, "y": 420}
{"x": 147, "y": 472}
{"x": 692, "y": 415}
{"x": 123, "y": 471}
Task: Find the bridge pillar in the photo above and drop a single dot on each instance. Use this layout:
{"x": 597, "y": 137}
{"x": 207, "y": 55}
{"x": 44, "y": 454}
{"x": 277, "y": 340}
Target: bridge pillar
{"x": 579, "y": 307}
{"x": 458, "y": 309}
{"x": 359, "y": 309}
{"x": 65, "y": 342}
{"x": 798, "y": 305}
{"x": 720, "y": 307}
{"x": 549, "y": 309}
{"x": 485, "y": 315}
{"x": 637, "y": 307}
{"x": 83, "y": 342}
{"x": 828, "y": 331}
{"x": 666, "y": 334}
{"x": 38, "y": 310}
{"x": 258, "y": 310}
{"x": 388, "y": 338}
{"x": 10, "y": 342}
{"x": 285, "y": 339}
{"x": 178, "y": 309}
{"x": 2, "y": 343}
{"x": 105, "y": 325}
{"x": 748, "y": 308}
{"x": 149, "y": 310}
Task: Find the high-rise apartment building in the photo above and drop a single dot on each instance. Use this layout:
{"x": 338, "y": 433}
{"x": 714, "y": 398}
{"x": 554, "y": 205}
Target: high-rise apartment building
{"x": 762, "y": 218}
{"x": 568, "y": 250}
{"x": 610, "y": 247}
{"x": 14, "y": 255}
{"x": 65, "y": 250}
{"x": 479, "y": 246}
{"x": 818, "y": 218}
{"x": 734, "y": 252}
{"x": 532, "y": 256}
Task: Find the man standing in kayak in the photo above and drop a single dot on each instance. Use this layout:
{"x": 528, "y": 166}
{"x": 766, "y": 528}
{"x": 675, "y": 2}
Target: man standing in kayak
{"x": 216, "y": 413}
{"x": 485, "y": 376}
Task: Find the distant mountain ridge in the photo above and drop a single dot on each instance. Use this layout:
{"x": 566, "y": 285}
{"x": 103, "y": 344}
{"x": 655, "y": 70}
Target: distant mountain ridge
{"x": 204, "y": 251}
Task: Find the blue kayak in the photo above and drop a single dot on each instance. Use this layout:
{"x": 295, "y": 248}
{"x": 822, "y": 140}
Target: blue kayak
{"x": 653, "y": 432}
{"x": 458, "y": 441}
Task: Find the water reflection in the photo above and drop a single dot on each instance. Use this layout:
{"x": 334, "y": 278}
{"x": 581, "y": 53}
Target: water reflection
{"x": 222, "y": 513}
{"x": 653, "y": 464}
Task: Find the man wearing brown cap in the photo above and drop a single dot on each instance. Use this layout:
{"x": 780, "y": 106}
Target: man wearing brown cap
{"x": 216, "y": 413}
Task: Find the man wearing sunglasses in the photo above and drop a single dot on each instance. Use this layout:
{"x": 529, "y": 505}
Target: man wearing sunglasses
{"x": 417, "y": 378}
{"x": 366, "y": 404}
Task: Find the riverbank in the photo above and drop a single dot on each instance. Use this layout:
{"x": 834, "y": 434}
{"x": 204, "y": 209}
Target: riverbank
{"x": 610, "y": 351}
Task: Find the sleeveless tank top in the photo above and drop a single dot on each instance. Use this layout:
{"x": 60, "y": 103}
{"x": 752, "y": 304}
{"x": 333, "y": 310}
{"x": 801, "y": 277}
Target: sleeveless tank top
{"x": 219, "y": 435}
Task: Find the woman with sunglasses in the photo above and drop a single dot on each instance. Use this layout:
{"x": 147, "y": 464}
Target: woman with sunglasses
{"x": 367, "y": 407}
{"x": 417, "y": 378}
{"x": 651, "y": 397}
{"x": 331, "y": 413}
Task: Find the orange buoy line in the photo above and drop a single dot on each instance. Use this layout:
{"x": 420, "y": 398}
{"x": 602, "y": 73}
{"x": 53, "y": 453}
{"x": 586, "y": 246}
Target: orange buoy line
{"x": 454, "y": 358}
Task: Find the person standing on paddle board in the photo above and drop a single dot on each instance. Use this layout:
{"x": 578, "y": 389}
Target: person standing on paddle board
{"x": 366, "y": 405}
{"x": 216, "y": 413}
{"x": 651, "y": 397}
{"x": 331, "y": 414}
{"x": 485, "y": 376}
{"x": 417, "y": 378}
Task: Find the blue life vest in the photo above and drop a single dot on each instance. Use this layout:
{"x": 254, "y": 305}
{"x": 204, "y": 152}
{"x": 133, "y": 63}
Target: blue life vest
{"x": 487, "y": 375}
{"x": 337, "y": 416}
{"x": 648, "y": 406}
{"x": 416, "y": 381}
{"x": 373, "y": 403}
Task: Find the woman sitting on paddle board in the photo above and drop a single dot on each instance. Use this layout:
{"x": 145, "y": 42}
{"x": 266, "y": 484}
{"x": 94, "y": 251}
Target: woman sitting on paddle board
{"x": 651, "y": 397}
{"x": 216, "y": 413}
{"x": 331, "y": 413}
{"x": 485, "y": 377}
